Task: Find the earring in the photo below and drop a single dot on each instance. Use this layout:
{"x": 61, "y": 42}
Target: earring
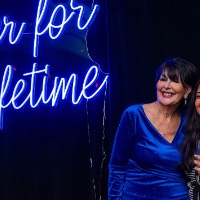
{"x": 185, "y": 101}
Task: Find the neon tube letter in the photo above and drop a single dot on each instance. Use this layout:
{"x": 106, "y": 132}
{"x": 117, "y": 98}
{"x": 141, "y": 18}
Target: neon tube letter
{"x": 11, "y": 25}
{"x": 42, "y": 9}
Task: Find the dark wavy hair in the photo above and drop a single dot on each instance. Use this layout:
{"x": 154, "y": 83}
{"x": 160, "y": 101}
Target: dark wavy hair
{"x": 192, "y": 132}
{"x": 178, "y": 67}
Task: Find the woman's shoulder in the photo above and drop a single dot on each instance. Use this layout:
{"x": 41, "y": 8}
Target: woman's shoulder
{"x": 137, "y": 108}
{"x": 133, "y": 108}
{"x": 141, "y": 109}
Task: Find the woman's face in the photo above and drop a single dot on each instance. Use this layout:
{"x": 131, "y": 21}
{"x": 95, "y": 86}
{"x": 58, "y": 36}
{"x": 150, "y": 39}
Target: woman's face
{"x": 197, "y": 101}
{"x": 170, "y": 92}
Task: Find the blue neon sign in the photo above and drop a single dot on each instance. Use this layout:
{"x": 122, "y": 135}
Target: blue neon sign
{"x": 21, "y": 94}
{"x": 10, "y": 26}
{"x": 61, "y": 87}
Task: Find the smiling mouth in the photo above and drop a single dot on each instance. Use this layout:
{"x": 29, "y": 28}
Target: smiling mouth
{"x": 167, "y": 94}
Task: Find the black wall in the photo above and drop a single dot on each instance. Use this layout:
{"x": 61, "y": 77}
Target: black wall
{"x": 141, "y": 35}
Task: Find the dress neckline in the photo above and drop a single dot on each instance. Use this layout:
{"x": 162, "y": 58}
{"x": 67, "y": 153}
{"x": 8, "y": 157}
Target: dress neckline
{"x": 158, "y": 133}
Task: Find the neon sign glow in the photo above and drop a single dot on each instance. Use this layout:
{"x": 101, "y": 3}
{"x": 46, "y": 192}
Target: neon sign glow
{"x": 19, "y": 94}
{"x": 9, "y": 26}
{"x": 60, "y": 86}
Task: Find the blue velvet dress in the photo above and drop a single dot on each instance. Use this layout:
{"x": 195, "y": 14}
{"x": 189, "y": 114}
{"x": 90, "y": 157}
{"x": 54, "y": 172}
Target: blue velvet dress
{"x": 143, "y": 165}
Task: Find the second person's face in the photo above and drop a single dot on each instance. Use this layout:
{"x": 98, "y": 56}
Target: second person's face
{"x": 197, "y": 101}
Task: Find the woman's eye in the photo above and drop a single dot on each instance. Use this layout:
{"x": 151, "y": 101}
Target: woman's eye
{"x": 176, "y": 81}
{"x": 163, "y": 79}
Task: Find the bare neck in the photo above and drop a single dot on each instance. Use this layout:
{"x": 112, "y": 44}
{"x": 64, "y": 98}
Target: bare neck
{"x": 167, "y": 112}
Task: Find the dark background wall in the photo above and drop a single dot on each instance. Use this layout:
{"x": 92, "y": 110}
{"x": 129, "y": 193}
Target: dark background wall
{"x": 141, "y": 35}
{"x": 63, "y": 152}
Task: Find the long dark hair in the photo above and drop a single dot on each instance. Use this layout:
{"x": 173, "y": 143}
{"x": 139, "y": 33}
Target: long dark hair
{"x": 192, "y": 132}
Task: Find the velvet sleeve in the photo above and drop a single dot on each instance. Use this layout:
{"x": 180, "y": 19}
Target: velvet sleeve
{"x": 119, "y": 157}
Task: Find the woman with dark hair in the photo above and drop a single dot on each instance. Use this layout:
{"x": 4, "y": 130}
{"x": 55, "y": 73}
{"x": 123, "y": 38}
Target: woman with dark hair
{"x": 192, "y": 135}
{"x": 145, "y": 159}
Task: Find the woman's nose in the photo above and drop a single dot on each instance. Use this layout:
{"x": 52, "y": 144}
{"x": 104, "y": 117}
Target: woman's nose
{"x": 167, "y": 84}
